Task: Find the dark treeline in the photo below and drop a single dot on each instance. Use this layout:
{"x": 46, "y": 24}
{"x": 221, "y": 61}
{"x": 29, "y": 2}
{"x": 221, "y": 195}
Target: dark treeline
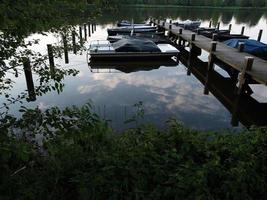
{"x": 241, "y": 3}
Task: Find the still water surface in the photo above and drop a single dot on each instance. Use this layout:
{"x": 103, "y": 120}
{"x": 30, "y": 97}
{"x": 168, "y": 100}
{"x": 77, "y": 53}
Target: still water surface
{"x": 166, "y": 92}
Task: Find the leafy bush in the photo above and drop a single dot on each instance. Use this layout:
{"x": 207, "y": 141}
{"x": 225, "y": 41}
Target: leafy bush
{"x": 90, "y": 161}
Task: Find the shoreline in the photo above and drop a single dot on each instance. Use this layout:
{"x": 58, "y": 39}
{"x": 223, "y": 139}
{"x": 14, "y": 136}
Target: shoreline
{"x": 197, "y": 7}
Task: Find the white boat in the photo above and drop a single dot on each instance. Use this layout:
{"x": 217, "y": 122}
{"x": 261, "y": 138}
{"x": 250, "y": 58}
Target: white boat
{"x": 128, "y": 23}
{"x": 131, "y": 29}
{"x": 130, "y": 49}
{"x": 188, "y": 24}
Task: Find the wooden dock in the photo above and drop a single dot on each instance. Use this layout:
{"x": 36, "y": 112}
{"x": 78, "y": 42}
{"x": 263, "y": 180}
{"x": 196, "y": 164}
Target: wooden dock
{"x": 244, "y": 109}
{"x": 245, "y": 63}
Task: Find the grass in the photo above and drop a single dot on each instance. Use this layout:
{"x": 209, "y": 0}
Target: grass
{"x": 84, "y": 159}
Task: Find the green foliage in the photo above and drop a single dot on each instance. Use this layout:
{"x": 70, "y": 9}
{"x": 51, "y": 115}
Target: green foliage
{"x": 84, "y": 159}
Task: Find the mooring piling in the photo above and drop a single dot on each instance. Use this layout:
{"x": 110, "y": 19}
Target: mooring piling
{"x": 212, "y": 57}
{"x": 218, "y": 25}
{"x": 260, "y": 35}
{"x": 230, "y": 27}
{"x": 243, "y": 30}
{"x": 241, "y": 46}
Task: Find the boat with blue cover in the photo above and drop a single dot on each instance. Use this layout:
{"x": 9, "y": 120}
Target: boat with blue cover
{"x": 253, "y": 47}
{"x": 131, "y": 49}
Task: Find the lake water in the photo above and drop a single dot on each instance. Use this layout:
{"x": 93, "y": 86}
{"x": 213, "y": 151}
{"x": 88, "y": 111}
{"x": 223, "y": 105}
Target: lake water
{"x": 165, "y": 92}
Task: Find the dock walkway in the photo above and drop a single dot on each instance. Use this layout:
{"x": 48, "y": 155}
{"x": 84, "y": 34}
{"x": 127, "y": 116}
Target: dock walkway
{"x": 231, "y": 56}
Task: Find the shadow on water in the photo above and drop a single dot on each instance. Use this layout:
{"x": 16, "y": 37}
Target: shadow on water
{"x": 42, "y": 75}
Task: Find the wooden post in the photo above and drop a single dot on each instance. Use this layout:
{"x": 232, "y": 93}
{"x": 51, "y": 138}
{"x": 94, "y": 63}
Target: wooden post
{"x": 248, "y": 63}
{"x": 170, "y": 28}
{"x": 198, "y": 31}
{"x": 218, "y": 25}
{"x": 180, "y": 37}
{"x": 243, "y": 30}
{"x": 95, "y": 26}
{"x": 230, "y": 27}
{"x": 213, "y": 46}
{"x": 189, "y": 62}
{"x": 74, "y": 42}
{"x": 89, "y": 29}
{"x": 85, "y": 32}
{"x": 241, "y": 46}
{"x": 210, "y": 66}
{"x": 51, "y": 58}
{"x": 81, "y": 35}
{"x": 193, "y": 37}
{"x": 170, "y": 21}
{"x": 163, "y": 24}
{"x": 210, "y": 24}
{"x": 29, "y": 79}
{"x": 188, "y": 72}
{"x": 215, "y": 37}
{"x": 65, "y": 45}
{"x": 260, "y": 35}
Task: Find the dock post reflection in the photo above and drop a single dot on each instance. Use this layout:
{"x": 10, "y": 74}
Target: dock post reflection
{"x": 85, "y": 32}
{"x": 210, "y": 24}
{"x": 89, "y": 29}
{"x": 65, "y": 46}
{"x": 81, "y": 35}
{"x": 74, "y": 42}
{"x": 92, "y": 28}
{"x": 51, "y": 59}
{"x": 243, "y": 108}
{"x": 29, "y": 79}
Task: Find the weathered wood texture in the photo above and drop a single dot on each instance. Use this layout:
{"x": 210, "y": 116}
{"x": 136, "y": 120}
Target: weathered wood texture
{"x": 231, "y": 56}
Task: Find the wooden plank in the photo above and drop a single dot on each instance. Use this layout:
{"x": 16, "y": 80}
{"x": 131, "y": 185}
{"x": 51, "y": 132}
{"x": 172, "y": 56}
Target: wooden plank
{"x": 228, "y": 55}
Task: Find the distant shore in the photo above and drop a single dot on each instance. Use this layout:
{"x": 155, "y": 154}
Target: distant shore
{"x": 199, "y": 7}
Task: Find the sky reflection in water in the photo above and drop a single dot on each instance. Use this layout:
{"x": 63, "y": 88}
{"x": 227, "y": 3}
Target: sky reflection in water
{"x": 166, "y": 92}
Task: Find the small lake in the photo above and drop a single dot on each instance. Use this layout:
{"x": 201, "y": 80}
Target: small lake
{"x": 165, "y": 91}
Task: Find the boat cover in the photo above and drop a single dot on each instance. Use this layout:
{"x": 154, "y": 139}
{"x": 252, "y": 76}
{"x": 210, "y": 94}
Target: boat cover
{"x": 135, "y": 45}
{"x": 251, "y": 46}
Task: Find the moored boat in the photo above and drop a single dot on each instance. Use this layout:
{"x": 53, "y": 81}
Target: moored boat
{"x": 253, "y": 47}
{"x": 131, "y": 49}
{"x": 131, "y": 29}
{"x": 127, "y": 23}
{"x": 156, "y": 38}
{"x": 188, "y": 24}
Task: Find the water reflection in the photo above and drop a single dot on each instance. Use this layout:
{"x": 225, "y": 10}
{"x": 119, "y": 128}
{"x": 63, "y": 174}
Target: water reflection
{"x": 164, "y": 88}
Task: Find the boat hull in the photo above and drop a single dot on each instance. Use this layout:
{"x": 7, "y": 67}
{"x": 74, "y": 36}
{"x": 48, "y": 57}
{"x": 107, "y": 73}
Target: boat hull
{"x": 142, "y": 56}
{"x": 118, "y": 31}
